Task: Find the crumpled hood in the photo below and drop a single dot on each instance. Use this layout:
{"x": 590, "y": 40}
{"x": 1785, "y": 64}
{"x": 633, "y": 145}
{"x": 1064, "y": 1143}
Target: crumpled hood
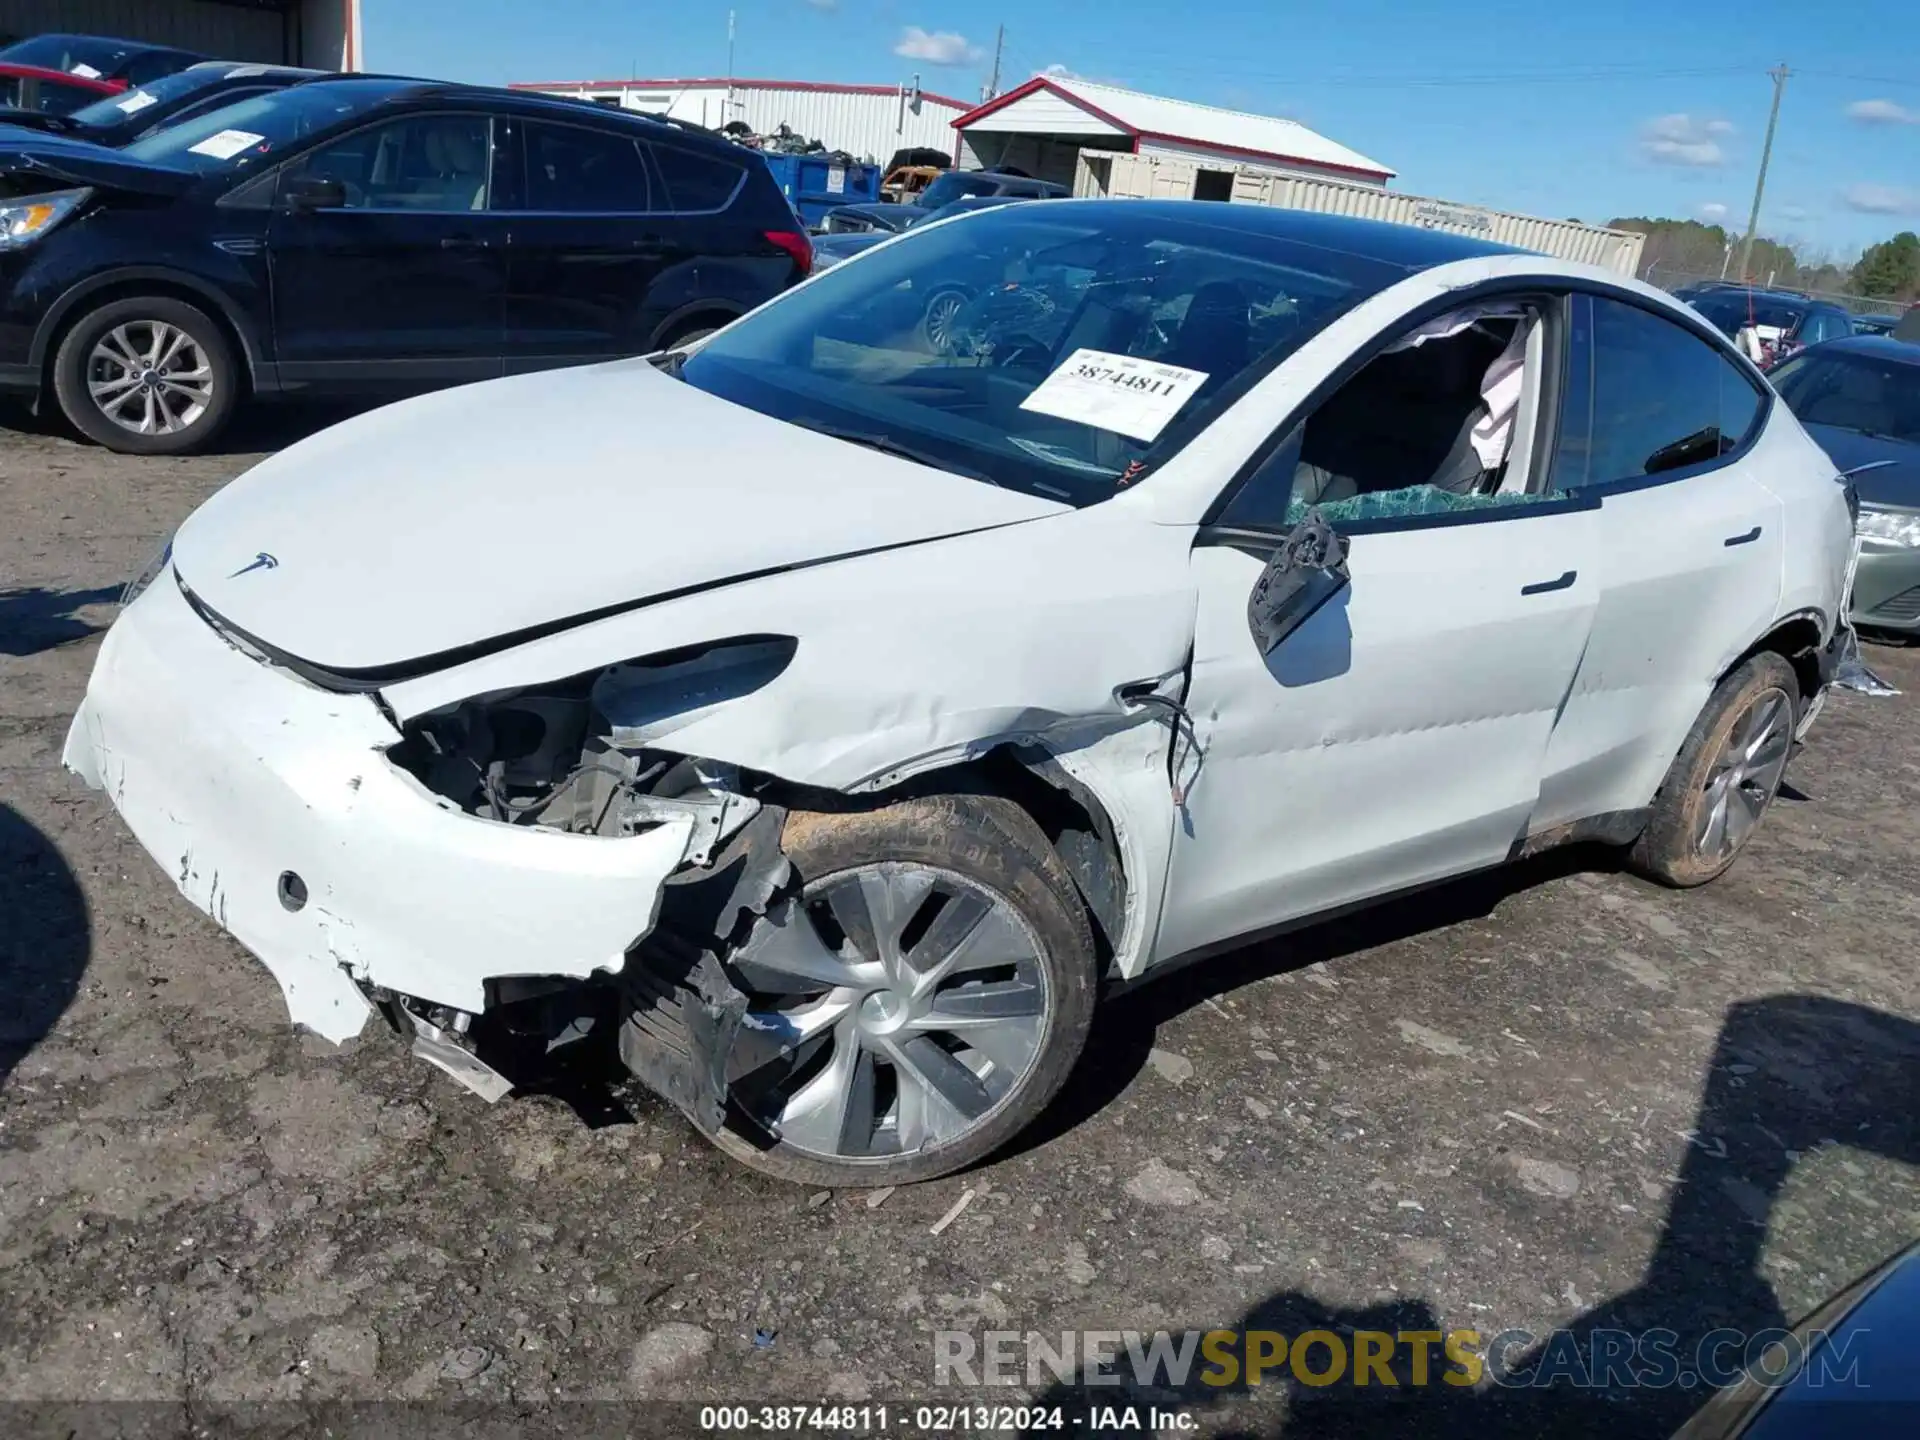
{"x": 446, "y": 522}
{"x": 58, "y": 159}
{"x": 1895, "y": 484}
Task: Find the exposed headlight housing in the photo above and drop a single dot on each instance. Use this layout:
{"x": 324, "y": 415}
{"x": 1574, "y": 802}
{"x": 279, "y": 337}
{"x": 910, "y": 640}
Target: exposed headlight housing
{"x": 25, "y": 220}
{"x": 1890, "y": 527}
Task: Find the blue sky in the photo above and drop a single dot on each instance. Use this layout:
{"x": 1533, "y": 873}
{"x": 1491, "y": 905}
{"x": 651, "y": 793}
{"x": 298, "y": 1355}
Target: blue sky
{"x": 1632, "y": 107}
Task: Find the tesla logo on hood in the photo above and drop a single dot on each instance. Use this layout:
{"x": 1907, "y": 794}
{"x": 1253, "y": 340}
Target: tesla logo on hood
{"x": 262, "y": 561}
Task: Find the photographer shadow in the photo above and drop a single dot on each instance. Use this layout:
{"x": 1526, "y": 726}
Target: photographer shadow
{"x": 1790, "y": 1075}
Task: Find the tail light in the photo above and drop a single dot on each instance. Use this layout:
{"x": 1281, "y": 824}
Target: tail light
{"x": 796, "y": 244}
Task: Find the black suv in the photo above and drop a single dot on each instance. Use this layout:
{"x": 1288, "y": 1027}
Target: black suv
{"x": 1785, "y": 323}
{"x": 367, "y": 236}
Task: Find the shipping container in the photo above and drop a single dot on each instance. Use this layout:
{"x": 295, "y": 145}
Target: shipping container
{"x": 815, "y": 184}
{"x": 1139, "y": 177}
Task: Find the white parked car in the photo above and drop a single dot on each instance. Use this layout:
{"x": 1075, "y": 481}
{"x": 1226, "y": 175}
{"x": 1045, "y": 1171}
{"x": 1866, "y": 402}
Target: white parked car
{"x": 830, "y": 714}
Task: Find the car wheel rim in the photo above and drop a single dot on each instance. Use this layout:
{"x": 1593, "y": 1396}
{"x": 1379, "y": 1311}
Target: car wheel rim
{"x": 150, "y": 378}
{"x": 941, "y": 314}
{"x": 1745, "y": 774}
{"x": 893, "y": 1007}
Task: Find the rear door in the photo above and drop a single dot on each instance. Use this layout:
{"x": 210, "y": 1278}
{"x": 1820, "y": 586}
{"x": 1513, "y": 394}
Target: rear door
{"x": 1657, "y": 422}
{"x": 406, "y": 280}
{"x": 588, "y": 244}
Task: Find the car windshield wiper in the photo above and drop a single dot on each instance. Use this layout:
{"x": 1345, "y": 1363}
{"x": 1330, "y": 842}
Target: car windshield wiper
{"x": 886, "y": 445}
{"x": 668, "y": 362}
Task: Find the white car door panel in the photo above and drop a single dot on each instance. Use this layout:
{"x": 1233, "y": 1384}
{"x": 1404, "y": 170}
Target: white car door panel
{"x": 1689, "y": 576}
{"x": 1689, "y": 547}
{"x": 1395, "y": 738}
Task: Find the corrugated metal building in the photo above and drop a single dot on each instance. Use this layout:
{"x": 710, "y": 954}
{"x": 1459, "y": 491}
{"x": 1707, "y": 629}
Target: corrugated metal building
{"x": 322, "y": 33}
{"x": 1044, "y": 125}
{"x": 867, "y": 121}
{"x": 1159, "y": 177}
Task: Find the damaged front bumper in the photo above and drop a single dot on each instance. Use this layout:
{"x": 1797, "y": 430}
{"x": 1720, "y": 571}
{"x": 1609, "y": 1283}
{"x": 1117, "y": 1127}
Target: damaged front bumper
{"x": 273, "y": 807}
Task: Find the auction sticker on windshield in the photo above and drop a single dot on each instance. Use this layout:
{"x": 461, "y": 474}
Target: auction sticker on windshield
{"x": 136, "y": 102}
{"x": 227, "y": 144}
{"x": 1121, "y": 393}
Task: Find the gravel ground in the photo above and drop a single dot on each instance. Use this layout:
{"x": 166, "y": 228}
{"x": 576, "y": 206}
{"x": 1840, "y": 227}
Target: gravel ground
{"x": 1553, "y": 1097}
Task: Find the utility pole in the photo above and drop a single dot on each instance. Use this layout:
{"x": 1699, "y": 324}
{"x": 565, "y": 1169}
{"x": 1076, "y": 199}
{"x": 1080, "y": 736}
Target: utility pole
{"x": 1779, "y": 75}
{"x": 999, "y": 45}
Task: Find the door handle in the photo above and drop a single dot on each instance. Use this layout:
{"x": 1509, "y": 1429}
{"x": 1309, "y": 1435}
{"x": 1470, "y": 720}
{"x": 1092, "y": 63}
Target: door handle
{"x": 1746, "y": 539}
{"x": 1565, "y": 582}
{"x": 462, "y": 242}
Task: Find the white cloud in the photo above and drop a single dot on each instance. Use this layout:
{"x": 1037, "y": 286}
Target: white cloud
{"x": 1795, "y": 214}
{"x": 1057, "y": 71}
{"x": 1882, "y": 112}
{"x": 824, "y": 4}
{"x": 1682, "y": 140}
{"x": 1713, "y": 210}
{"x": 941, "y": 47}
{"x": 1881, "y": 199}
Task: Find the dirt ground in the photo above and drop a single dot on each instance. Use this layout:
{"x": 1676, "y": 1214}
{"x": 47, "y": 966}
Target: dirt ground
{"x": 1553, "y": 1097}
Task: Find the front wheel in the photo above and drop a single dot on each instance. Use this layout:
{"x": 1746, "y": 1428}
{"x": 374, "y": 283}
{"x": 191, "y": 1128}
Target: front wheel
{"x": 147, "y": 376}
{"x": 916, "y": 1004}
{"x": 1726, "y": 775}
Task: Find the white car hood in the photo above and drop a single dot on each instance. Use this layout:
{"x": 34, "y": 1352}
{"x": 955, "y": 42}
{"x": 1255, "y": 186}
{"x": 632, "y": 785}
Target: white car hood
{"x": 482, "y": 512}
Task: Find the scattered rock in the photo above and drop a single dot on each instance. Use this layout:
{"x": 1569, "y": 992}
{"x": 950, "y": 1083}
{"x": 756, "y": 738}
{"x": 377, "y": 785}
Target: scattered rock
{"x": 1212, "y": 1247}
{"x": 347, "y": 1350}
{"x": 1259, "y": 1109}
{"x": 825, "y": 1348}
{"x": 818, "y": 1198}
{"x": 1414, "y": 1033}
{"x": 1174, "y": 1069}
{"x": 1078, "y": 1267}
{"x": 849, "y": 1387}
{"x": 465, "y": 1363}
{"x": 1160, "y": 1184}
{"x": 1545, "y": 1177}
{"x": 667, "y": 1351}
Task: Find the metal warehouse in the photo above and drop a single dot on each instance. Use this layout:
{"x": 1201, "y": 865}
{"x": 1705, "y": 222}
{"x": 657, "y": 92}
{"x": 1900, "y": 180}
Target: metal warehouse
{"x": 1042, "y": 127}
{"x": 867, "y": 121}
{"x": 322, "y": 33}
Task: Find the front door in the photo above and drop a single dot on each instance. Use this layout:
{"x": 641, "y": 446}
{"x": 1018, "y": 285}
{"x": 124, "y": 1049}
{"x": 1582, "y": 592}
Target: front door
{"x": 1396, "y": 738}
{"x": 401, "y": 275}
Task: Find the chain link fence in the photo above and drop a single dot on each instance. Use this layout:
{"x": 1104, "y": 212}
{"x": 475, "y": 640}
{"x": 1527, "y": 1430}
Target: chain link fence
{"x": 1668, "y": 278}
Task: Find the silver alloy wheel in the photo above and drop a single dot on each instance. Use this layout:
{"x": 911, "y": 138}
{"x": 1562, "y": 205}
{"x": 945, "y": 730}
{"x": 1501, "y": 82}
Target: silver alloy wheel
{"x": 942, "y": 311}
{"x": 150, "y": 377}
{"x": 1745, "y": 774}
{"x": 893, "y": 1007}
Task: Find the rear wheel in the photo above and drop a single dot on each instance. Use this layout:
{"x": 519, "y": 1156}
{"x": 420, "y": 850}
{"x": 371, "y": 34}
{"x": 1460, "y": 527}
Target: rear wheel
{"x": 1725, "y": 776}
{"x": 919, "y": 1001}
{"x": 147, "y": 376}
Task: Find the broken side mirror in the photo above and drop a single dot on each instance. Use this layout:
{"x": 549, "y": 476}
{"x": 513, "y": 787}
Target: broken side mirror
{"x": 1307, "y": 569}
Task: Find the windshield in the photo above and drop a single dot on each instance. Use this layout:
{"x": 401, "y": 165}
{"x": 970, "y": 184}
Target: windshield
{"x": 954, "y": 184}
{"x": 238, "y": 136}
{"x": 76, "y": 54}
{"x": 1852, "y": 391}
{"x": 1061, "y": 350}
{"x": 1732, "y": 310}
{"x": 117, "y": 110}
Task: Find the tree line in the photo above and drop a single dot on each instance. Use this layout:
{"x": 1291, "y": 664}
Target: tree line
{"x": 1887, "y": 271}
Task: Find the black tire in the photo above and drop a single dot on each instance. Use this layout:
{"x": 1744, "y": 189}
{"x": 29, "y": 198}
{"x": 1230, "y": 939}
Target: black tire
{"x": 691, "y": 333}
{"x": 1670, "y": 849}
{"x": 75, "y": 363}
{"x": 994, "y": 845}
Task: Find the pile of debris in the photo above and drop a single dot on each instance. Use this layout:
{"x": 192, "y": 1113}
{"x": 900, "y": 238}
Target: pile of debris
{"x": 783, "y": 141}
